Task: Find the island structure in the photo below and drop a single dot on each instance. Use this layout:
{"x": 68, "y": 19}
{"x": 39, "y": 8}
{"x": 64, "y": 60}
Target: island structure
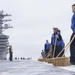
{"x": 4, "y": 43}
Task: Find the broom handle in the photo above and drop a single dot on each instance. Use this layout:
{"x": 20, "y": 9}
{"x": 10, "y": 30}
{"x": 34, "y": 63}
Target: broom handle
{"x": 69, "y": 45}
{"x": 54, "y": 47}
{"x": 49, "y": 50}
{"x": 66, "y": 46}
{"x": 47, "y": 53}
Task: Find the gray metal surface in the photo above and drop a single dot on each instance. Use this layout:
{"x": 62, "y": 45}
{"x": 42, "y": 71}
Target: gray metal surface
{"x": 30, "y": 67}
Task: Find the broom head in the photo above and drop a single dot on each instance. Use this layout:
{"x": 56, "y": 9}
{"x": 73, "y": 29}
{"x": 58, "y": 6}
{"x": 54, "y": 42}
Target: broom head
{"x": 61, "y": 61}
{"x": 49, "y": 60}
{"x": 41, "y": 59}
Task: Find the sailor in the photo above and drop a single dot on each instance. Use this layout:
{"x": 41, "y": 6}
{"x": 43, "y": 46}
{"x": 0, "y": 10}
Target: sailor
{"x": 46, "y": 47}
{"x": 56, "y": 42}
{"x": 72, "y": 46}
{"x": 61, "y": 42}
{"x": 43, "y": 53}
{"x": 10, "y": 53}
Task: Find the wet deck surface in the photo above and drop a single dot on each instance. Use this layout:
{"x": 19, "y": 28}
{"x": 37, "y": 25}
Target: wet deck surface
{"x": 29, "y": 67}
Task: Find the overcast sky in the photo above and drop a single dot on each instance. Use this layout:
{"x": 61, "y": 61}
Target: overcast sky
{"x": 33, "y": 21}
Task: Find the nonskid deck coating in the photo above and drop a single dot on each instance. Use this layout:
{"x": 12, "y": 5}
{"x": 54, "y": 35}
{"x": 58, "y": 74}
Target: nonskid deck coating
{"x": 30, "y": 67}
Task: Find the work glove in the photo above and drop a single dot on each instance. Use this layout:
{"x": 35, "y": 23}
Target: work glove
{"x": 57, "y": 36}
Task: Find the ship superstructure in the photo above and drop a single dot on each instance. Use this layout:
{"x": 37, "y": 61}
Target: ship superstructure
{"x": 4, "y": 44}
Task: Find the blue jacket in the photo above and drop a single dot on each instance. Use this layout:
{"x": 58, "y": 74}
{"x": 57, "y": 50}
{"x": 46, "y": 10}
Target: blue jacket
{"x": 73, "y": 22}
{"x": 59, "y": 41}
{"x": 53, "y": 39}
{"x": 62, "y": 43}
{"x": 47, "y": 46}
